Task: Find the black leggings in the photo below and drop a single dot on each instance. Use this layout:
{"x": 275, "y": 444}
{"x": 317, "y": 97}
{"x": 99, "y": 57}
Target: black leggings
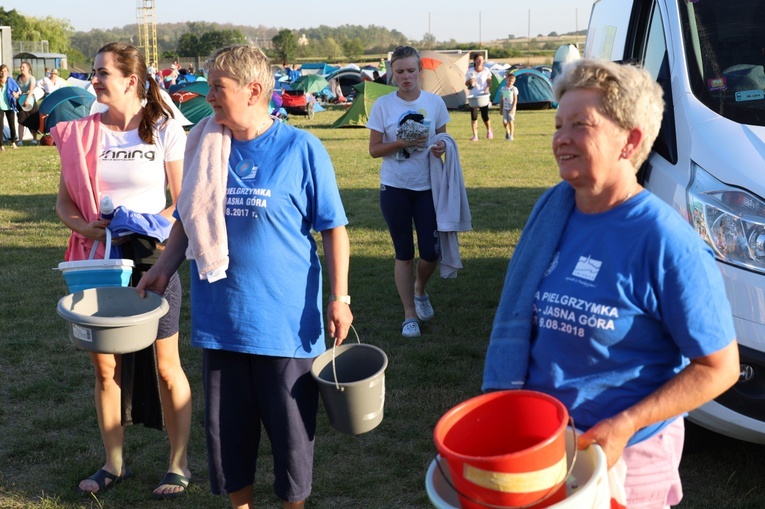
{"x": 484, "y": 113}
{"x": 10, "y": 116}
{"x": 402, "y": 206}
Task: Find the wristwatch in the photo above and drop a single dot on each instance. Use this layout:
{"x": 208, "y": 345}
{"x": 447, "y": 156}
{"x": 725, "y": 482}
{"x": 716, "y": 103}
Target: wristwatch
{"x": 341, "y": 298}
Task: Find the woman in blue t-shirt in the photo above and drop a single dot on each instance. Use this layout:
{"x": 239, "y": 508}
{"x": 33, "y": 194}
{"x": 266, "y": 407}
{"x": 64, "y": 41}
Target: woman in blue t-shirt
{"x": 612, "y": 302}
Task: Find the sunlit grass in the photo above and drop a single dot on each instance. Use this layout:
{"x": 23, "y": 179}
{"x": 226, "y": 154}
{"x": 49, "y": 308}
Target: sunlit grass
{"x": 48, "y": 432}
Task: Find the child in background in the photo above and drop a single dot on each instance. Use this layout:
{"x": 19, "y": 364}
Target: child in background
{"x": 509, "y": 100}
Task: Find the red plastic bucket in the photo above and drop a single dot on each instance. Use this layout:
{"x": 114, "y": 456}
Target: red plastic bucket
{"x": 506, "y": 449}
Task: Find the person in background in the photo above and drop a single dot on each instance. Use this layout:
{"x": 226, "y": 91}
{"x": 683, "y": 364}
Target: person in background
{"x": 152, "y": 72}
{"x": 400, "y": 125}
{"x": 53, "y": 82}
{"x": 378, "y": 79}
{"x": 137, "y": 122}
{"x": 508, "y": 94}
{"x": 9, "y": 92}
{"x": 612, "y": 303}
{"x": 478, "y": 81}
{"x": 254, "y": 191}
{"x": 28, "y": 116}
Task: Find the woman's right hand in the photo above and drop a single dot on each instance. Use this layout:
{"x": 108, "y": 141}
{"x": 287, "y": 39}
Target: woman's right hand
{"x": 95, "y": 230}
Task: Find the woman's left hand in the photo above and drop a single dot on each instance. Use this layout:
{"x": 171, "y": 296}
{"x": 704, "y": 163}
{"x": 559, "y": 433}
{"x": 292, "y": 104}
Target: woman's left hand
{"x": 611, "y": 435}
{"x": 438, "y": 149}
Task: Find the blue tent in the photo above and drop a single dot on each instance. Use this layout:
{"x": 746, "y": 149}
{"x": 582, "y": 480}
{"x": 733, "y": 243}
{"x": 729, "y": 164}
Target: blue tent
{"x": 534, "y": 90}
{"x": 68, "y": 103}
{"x": 320, "y": 68}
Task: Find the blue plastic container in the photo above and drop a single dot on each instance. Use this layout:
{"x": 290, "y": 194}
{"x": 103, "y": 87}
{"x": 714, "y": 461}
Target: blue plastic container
{"x": 83, "y": 274}
{"x": 78, "y": 279}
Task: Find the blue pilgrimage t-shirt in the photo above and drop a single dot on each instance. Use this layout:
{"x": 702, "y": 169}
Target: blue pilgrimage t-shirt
{"x": 631, "y": 295}
{"x": 281, "y": 189}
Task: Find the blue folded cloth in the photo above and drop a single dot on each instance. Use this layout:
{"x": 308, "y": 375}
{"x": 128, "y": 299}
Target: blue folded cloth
{"x": 126, "y": 222}
{"x": 507, "y": 358}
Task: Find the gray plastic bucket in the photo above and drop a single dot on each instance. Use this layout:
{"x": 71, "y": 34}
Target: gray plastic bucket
{"x": 112, "y": 319}
{"x": 351, "y": 382}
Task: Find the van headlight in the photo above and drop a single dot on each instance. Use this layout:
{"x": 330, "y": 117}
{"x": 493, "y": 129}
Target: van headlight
{"x": 730, "y": 220}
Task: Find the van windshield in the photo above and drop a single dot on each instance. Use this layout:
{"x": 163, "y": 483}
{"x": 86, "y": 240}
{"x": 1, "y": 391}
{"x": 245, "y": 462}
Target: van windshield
{"x": 725, "y": 51}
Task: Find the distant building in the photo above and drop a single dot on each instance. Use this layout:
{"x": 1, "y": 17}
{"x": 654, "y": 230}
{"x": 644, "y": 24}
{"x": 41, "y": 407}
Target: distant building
{"x": 303, "y": 41}
{"x": 39, "y": 61}
{"x": 6, "y": 49}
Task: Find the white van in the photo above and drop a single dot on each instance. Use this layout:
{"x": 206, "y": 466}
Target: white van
{"x": 709, "y": 159}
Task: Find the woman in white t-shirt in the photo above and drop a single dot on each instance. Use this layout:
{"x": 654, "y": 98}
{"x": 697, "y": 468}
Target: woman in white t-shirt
{"x": 478, "y": 81}
{"x": 405, "y": 192}
{"x": 132, "y": 152}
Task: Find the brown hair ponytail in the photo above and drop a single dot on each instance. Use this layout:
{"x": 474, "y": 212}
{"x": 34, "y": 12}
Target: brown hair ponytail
{"x": 129, "y": 61}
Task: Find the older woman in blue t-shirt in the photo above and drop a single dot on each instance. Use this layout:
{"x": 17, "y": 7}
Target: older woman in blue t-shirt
{"x": 612, "y": 303}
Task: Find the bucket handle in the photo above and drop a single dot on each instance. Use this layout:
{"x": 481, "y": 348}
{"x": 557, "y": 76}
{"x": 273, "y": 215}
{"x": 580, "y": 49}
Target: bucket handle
{"x": 491, "y": 506}
{"x": 108, "y": 246}
{"x": 334, "y": 370}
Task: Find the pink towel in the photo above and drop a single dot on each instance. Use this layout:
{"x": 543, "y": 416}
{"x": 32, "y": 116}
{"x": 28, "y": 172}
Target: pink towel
{"x": 202, "y": 201}
{"x": 77, "y": 143}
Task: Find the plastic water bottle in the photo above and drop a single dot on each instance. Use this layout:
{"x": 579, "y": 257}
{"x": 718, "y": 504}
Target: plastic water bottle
{"x": 107, "y": 208}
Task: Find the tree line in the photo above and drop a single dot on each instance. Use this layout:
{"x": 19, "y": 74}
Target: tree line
{"x": 198, "y": 39}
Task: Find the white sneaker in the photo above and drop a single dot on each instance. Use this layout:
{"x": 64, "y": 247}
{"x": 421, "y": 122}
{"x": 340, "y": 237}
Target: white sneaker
{"x": 423, "y": 308}
{"x": 410, "y": 328}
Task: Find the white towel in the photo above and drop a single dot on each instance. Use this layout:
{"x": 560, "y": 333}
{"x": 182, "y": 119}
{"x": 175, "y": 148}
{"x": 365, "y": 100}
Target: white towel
{"x": 451, "y": 203}
{"x": 202, "y": 200}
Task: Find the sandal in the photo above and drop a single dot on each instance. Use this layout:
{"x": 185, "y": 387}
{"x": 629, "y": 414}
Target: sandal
{"x": 100, "y": 479}
{"x": 172, "y": 479}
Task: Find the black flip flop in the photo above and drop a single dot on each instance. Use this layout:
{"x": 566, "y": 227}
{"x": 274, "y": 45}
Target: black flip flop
{"x": 172, "y": 479}
{"x": 100, "y": 478}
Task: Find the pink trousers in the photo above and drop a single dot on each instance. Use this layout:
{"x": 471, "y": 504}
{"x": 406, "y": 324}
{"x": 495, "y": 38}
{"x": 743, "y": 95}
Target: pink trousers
{"x": 650, "y": 472}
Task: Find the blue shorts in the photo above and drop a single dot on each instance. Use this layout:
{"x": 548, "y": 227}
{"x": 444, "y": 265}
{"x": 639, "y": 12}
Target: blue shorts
{"x": 402, "y": 206}
{"x": 241, "y": 392}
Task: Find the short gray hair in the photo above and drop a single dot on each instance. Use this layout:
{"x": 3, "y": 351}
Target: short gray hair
{"x": 631, "y": 97}
{"x": 245, "y": 64}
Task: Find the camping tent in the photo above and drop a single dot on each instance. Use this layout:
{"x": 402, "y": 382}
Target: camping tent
{"x": 534, "y": 90}
{"x": 310, "y": 83}
{"x": 190, "y": 98}
{"x": 347, "y": 78}
{"x": 444, "y": 74}
{"x": 320, "y": 68}
{"x": 358, "y": 113}
{"x": 68, "y": 103}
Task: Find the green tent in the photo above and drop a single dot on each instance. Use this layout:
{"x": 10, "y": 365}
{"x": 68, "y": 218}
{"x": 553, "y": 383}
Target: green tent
{"x": 358, "y": 113}
{"x": 191, "y": 98}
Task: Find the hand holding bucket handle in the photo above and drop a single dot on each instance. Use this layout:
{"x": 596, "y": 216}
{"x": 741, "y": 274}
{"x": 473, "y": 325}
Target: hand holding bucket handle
{"x": 334, "y": 349}
{"x": 552, "y": 491}
{"x": 107, "y": 246}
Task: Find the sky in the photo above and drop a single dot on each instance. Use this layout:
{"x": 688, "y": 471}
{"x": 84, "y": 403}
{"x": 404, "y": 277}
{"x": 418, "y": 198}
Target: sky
{"x": 461, "y": 20}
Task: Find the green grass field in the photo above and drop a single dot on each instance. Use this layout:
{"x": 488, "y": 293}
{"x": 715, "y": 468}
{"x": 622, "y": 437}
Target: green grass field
{"x": 48, "y": 431}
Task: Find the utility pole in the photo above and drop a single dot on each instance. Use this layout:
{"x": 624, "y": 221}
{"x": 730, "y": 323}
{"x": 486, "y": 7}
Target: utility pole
{"x": 528, "y": 42}
{"x": 430, "y": 34}
{"x": 480, "y": 40}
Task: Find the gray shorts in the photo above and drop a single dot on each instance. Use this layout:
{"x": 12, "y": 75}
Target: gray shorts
{"x": 170, "y": 323}
{"x": 507, "y": 117}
